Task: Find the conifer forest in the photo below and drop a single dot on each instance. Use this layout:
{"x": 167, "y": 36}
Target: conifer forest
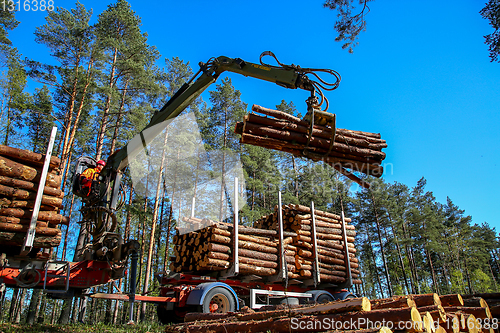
{"x": 103, "y": 87}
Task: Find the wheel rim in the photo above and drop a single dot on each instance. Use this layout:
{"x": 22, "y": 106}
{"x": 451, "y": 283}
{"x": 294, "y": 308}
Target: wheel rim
{"x": 219, "y": 304}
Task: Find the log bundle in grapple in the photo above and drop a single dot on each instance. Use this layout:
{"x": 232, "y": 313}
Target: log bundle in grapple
{"x": 20, "y": 172}
{"x": 211, "y": 248}
{"x": 348, "y": 151}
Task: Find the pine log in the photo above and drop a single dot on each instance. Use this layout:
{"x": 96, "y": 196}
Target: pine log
{"x": 26, "y": 156}
{"x": 332, "y": 278}
{"x": 257, "y": 270}
{"x": 51, "y": 217}
{"x": 275, "y": 113}
{"x": 367, "y": 165}
{"x": 285, "y": 116}
{"x": 337, "y": 267}
{"x": 323, "y": 237}
{"x": 219, "y": 248}
{"x": 452, "y": 323}
{"x": 427, "y": 322}
{"x": 25, "y": 204}
{"x": 256, "y": 247}
{"x": 215, "y": 230}
{"x": 15, "y": 220}
{"x": 331, "y": 219}
{"x": 426, "y": 299}
{"x": 11, "y": 192}
{"x": 495, "y": 311}
{"x": 307, "y": 209}
{"x": 218, "y": 255}
{"x": 257, "y": 262}
{"x": 437, "y": 311}
{"x": 12, "y": 169}
{"x": 475, "y": 302}
{"x": 472, "y": 324}
{"x": 285, "y": 135}
{"x": 220, "y": 239}
{"x": 40, "y": 241}
{"x": 335, "y": 261}
{"x": 257, "y": 255}
{"x": 307, "y": 224}
{"x": 478, "y": 312}
{"x": 11, "y": 227}
{"x": 357, "y": 304}
{"x": 393, "y": 302}
{"x": 327, "y": 231}
{"x": 199, "y": 316}
{"x": 451, "y": 300}
{"x": 486, "y": 296}
{"x": 257, "y": 240}
{"x": 336, "y": 245}
{"x": 325, "y": 133}
{"x": 30, "y": 186}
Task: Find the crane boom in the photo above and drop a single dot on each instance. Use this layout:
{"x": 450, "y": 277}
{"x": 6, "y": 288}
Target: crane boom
{"x": 288, "y": 76}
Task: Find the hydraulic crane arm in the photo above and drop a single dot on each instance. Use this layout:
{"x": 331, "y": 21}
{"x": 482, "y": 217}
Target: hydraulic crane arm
{"x": 292, "y": 77}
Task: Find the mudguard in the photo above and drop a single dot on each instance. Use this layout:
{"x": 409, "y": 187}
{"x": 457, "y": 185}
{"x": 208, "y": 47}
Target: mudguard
{"x": 197, "y": 295}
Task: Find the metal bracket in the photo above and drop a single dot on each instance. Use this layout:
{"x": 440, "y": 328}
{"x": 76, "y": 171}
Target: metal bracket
{"x": 30, "y": 234}
{"x": 347, "y": 260}
{"x": 65, "y": 266}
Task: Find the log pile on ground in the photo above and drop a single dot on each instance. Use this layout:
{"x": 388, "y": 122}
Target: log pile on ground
{"x": 350, "y": 150}
{"x": 210, "y": 248}
{"x": 410, "y": 313}
{"x": 20, "y": 172}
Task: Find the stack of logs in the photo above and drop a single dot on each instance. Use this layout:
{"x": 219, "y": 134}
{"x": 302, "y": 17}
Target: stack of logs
{"x": 329, "y": 239}
{"x": 210, "y": 248}
{"x": 20, "y": 172}
{"x": 412, "y": 313}
{"x": 353, "y": 150}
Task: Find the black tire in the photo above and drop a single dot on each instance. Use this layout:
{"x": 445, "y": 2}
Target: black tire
{"x": 218, "y": 300}
{"x": 350, "y": 296}
{"x": 324, "y": 298}
{"x": 170, "y": 316}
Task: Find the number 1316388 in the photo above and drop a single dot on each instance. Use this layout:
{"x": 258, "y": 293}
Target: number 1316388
{"x": 27, "y": 5}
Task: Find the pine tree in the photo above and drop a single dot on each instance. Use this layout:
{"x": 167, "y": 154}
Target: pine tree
{"x": 126, "y": 55}
{"x": 40, "y": 119}
{"x": 14, "y": 100}
{"x": 7, "y": 22}
{"x": 227, "y": 109}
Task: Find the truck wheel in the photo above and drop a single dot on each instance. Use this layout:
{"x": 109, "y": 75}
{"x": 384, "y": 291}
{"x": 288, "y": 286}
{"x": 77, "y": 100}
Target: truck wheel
{"x": 324, "y": 298}
{"x": 169, "y": 316}
{"x": 218, "y": 300}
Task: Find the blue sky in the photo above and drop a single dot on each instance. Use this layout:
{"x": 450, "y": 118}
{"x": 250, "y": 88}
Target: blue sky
{"x": 420, "y": 76}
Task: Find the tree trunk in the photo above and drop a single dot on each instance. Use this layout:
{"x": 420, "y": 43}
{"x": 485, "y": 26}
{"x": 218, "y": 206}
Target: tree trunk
{"x": 63, "y": 256}
{"x": 387, "y": 277}
{"x": 153, "y": 226}
{"x": 33, "y": 307}
{"x": 105, "y": 111}
{"x": 13, "y": 304}
{"x": 66, "y": 311}
{"x": 433, "y": 274}
{"x": 67, "y": 147}
{"x": 119, "y": 116}
{"x": 400, "y": 256}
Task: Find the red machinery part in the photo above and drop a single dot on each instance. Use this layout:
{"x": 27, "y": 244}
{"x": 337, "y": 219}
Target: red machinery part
{"x": 84, "y": 274}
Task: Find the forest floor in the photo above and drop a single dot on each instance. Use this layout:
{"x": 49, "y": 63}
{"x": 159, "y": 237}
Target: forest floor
{"x": 80, "y": 328}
